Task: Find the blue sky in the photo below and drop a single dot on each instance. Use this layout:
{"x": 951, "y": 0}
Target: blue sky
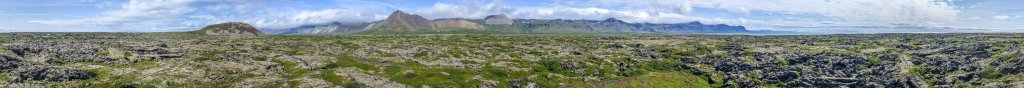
{"x": 869, "y": 16}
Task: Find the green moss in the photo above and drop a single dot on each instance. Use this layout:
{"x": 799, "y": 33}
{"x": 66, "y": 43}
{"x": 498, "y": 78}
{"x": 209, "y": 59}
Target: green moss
{"x": 754, "y": 75}
{"x": 353, "y": 85}
{"x": 104, "y": 79}
{"x": 260, "y": 58}
{"x": 143, "y": 64}
{"x": 990, "y": 73}
{"x": 127, "y": 53}
{"x": 663, "y": 65}
{"x": 207, "y": 56}
{"x": 554, "y": 66}
{"x": 102, "y": 53}
{"x": 420, "y": 54}
{"x": 335, "y": 79}
{"x": 874, "y": 60}
{"x": 292, "y": 69}
{"x": 783, "y": 62}
{"x": 634, "y": 72}
{"x": 435, "y": 77}
{"x": 3, "y": 77}
{"x": 914, "y": 70}
{"x": 348, "y": 45}
{"x": 348, "y": 62}
{"x": 393, "y": 70}
{"x": 663, "y": 80}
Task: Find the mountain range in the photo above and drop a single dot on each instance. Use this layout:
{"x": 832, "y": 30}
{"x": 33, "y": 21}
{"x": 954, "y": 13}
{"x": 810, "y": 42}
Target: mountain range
{"x": 401, "y": 21}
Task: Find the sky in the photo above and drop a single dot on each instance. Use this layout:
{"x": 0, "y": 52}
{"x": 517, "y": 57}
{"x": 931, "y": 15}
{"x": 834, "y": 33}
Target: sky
{"x": 852, "y": 16}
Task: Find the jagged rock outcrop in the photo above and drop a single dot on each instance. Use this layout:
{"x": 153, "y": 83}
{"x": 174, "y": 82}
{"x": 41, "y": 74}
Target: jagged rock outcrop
{"x": 231, "y": 29}
{"x": 456, "y": 23}
{"x": 368, "y": 80}
{"x": 499, "y": 19}
{"x": 67, "y": 51}
{"x": 8, "y": 63}
{"x": 49, "y": 74}
{"x": 402, "y": 20}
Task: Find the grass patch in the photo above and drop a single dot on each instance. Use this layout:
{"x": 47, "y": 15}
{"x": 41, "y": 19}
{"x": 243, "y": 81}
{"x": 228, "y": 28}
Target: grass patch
{"x": 662, "y": 80}
{"x": 103, "y": 53}
{"x": 329, "y": 76}
{"x": 433, "y": 77}
{"x": 348, "y": 62}
{"x": 991, "y": 73}
{"x": 874, "y": 60}
{"x": 127, "y": 54}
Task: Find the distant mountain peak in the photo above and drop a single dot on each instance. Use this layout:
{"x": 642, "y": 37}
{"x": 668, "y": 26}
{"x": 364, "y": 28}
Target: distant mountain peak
{"x": 496, "y": 16}
{"x": 695, "y": 23}
{"x": 398, "y": 13}
{"x": 402, "y": 20}
{"x": 613, "y": 20}
{"x": 499, "y": 19}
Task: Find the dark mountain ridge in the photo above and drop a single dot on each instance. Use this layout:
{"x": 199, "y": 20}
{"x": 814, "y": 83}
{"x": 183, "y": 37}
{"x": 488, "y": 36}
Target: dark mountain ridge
{"x": 399, "y": 20}
{"x": 613, "y": 24}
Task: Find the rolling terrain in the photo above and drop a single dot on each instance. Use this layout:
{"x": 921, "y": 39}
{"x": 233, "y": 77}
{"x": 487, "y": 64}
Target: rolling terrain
{"x": 510, "y": 60}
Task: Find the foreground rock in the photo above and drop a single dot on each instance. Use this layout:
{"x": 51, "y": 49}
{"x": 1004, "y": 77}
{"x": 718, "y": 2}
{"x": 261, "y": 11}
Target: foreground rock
{"x": 49, "y": 74}
{"x": 9, "y": 63}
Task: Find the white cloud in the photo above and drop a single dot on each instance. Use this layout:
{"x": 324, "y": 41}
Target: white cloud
{"x": 889, "y": 11}
{"x": 474, "y": 9}
{"x": 332, "y": 15}
{"x": 685, "y": 7}
{"x": 574, "y": 13}
{"x": 182, "y": 15}
{"x": 299, "y": 18}
{"x": 593, "y": 13}
{"x": 1001, "y": 17}
{"x": 236, "y": 6}
{"x": 880, "y": 11}
{"x": 974, "y": 18}
{"x": 665, "y": 6}
{"x": 135, "y": 15}
{"x": 740, "y": 10}
{"x": 676, "y": 13}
